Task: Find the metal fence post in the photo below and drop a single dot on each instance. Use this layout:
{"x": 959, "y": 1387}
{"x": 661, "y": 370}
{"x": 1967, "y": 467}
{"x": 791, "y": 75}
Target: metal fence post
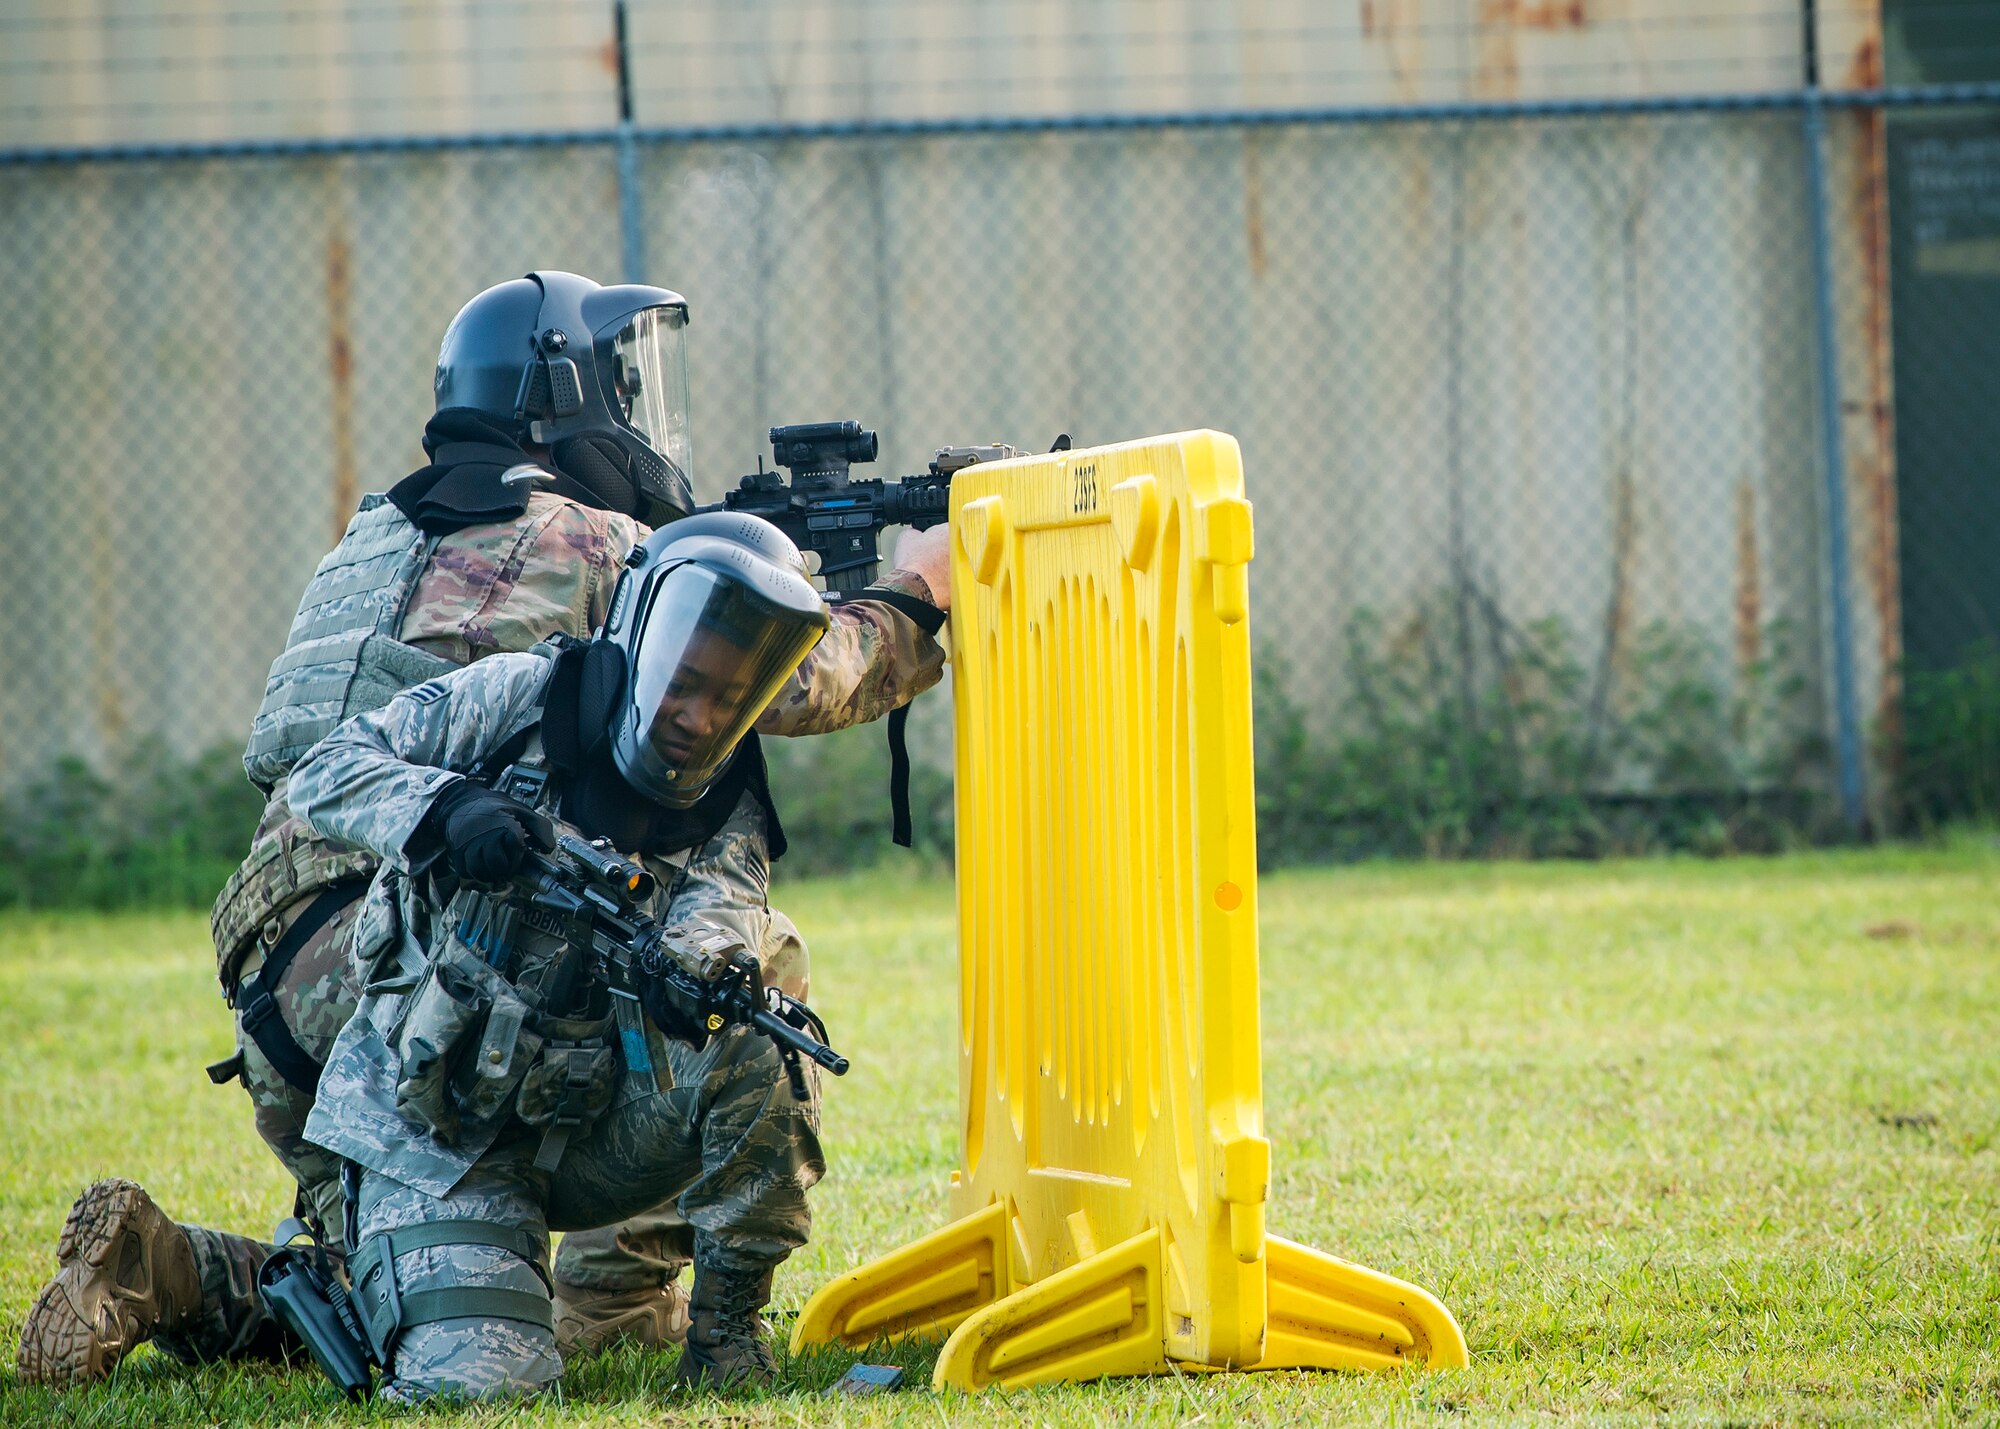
{"x": 631, "y": 230}
{"x": 1833, "y": 446}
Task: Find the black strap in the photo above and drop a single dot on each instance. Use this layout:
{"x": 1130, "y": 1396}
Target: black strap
{"x": 489, "y": 769}
{"x": 256, "y": 1002}
{"x": 899, "y": 777}
{"x": 928, "y": 617}
{"x": 930, "y": 620}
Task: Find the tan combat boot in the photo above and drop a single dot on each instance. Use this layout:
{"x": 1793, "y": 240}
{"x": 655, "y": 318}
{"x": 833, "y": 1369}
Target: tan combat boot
{"x": 726, "y": 1347}
{"x": 127, "y": 1275}
{"x": 589, "y": 1322}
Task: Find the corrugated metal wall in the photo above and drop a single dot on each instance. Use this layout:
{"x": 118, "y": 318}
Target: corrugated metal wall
{"x": 90, "y": 71}
{"x": 1556, "y": 370}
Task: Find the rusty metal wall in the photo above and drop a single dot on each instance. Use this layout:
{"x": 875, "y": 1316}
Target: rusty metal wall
{"x": 229, "y": 352}
{"x": 96, "y": 71}
{"x": 1501, "y": 384}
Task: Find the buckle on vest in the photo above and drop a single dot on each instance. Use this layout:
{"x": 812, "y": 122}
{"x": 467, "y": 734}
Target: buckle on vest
{"x": 260, "y": 1007}
{"x": 524, "y": 784}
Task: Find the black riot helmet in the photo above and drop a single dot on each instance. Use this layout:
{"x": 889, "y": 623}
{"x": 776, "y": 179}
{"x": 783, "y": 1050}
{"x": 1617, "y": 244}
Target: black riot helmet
{"x": 715, "y": 614}
{"x": 599, "y": 375}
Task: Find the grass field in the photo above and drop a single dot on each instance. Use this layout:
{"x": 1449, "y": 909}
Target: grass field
{"x": 1707, "y": 1141}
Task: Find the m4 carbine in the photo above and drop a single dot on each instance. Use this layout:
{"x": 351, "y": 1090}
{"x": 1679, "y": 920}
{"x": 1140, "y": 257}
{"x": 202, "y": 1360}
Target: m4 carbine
{"x": 695, "y": 979}
{"x": 825, "y": 510}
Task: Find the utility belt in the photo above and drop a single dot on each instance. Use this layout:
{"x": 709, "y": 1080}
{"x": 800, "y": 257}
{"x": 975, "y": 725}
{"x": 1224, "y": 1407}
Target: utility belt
{"x": 512, "y": 1019}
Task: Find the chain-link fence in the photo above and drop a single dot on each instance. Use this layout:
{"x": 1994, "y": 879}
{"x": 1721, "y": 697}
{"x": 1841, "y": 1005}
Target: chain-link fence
{"x": 1531, "y": 410}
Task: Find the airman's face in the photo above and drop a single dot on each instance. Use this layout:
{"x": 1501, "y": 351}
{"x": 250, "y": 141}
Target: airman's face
{"x": 706, "y": 692}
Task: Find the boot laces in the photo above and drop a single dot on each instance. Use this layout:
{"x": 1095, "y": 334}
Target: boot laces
{"x": 737, "y": 1311}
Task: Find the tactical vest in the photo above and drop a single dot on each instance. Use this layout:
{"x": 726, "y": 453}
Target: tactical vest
{"x": 342, "y": 657}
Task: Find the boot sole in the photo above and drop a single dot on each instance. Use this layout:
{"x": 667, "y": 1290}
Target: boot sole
{"x": 58, "y": 1344}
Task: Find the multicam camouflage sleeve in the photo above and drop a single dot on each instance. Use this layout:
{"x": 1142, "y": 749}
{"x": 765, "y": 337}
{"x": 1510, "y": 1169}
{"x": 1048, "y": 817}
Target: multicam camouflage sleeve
{"x": 373, "y": 779}
{"x": 874, "y": 659}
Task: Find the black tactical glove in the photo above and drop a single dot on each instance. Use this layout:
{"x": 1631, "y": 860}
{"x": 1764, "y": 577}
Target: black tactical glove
{"x": 486, "y": 835}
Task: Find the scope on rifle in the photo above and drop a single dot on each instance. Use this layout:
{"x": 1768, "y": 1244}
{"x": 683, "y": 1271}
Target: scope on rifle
{"x": 822, "y": 448}
{"x": 626, "y": 877}
{"x": 837, "y": 517}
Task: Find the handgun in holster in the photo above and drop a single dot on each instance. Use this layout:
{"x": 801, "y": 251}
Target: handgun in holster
{"x": 304, "y": 1293}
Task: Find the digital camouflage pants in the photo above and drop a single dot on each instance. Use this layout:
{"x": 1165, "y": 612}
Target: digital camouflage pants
{"x": 716, "y": 1129}
{"x": 316, "y": 997}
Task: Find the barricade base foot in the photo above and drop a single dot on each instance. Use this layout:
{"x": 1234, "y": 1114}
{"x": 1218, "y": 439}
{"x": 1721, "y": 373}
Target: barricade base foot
{"x": 1105, "y": 1315}
{"x": 926, "y": 1288}
{"x": 1328, "y": 1313}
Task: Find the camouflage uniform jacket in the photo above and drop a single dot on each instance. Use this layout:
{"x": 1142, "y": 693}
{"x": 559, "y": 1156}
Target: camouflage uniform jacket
{"x": 372, "y": 782}
{"x": 487, "y": 589}
{"x": 874, "y": 659}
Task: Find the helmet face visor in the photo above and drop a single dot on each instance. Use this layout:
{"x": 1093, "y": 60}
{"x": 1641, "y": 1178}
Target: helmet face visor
{"x": 646, "y": 381}
{"x": 710, "y": 656}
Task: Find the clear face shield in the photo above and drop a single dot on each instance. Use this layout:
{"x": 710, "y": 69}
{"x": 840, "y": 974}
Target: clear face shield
{"x": 709, "y": 659}
{"x": 648, "y": 378}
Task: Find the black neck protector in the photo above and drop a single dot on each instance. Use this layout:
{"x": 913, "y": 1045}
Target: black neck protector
{"x": 469, "y": 449}
{"x": 582, "y": 699}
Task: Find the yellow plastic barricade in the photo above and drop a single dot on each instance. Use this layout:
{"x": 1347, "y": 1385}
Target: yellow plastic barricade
{"x": 1111, "y": 1196}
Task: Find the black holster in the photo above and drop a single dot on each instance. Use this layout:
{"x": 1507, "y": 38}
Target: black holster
{"x": 304, "y": 1295}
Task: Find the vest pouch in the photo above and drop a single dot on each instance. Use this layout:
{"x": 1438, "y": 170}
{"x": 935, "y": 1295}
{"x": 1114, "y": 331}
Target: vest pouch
{"x": 442, "y": 1018}
{"x": 573, "y": 1081}
{"x": 378, "y": 926}
{"x": 284, "y": 866}
{"x": 326, "y": 671}
{"x": 484, "y": 1084}
{"x": 257, "y": 891}
{"x": 304, "y": 697}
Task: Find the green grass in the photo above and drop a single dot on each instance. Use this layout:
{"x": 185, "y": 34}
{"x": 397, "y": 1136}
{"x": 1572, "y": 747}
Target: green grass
{"x": 1671, "y": 1138}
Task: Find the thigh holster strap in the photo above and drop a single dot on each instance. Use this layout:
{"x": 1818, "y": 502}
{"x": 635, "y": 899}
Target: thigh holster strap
{"x": 386, "y": 1312}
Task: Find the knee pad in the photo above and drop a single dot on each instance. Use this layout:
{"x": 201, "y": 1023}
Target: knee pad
{"x": 464, "y": 1325}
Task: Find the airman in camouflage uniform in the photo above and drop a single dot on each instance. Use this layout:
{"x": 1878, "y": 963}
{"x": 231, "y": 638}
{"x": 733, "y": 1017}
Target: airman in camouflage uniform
{"x": 468, "y": 1212}
{"x": 489, "y": 589}
{"x": 481, "y": 586}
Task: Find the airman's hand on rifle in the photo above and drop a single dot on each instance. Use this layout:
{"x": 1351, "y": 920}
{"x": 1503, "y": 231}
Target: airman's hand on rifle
{"x": 927, "y": 555}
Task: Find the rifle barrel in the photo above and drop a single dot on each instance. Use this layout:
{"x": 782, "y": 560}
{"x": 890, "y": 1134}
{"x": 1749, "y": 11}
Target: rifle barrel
{"x": 782, "y": 1032}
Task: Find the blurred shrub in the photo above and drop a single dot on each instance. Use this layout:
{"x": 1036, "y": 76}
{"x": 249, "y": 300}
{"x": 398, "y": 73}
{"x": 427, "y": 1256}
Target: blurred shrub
{"x": 1948, "y": 757}
{"x": 165, "y": 831}
{"x": 832, "y": 792}
{"x": 156, "y": 831}
{"x": 1464, "y": 736}
{"x": 1458, "y": 736}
